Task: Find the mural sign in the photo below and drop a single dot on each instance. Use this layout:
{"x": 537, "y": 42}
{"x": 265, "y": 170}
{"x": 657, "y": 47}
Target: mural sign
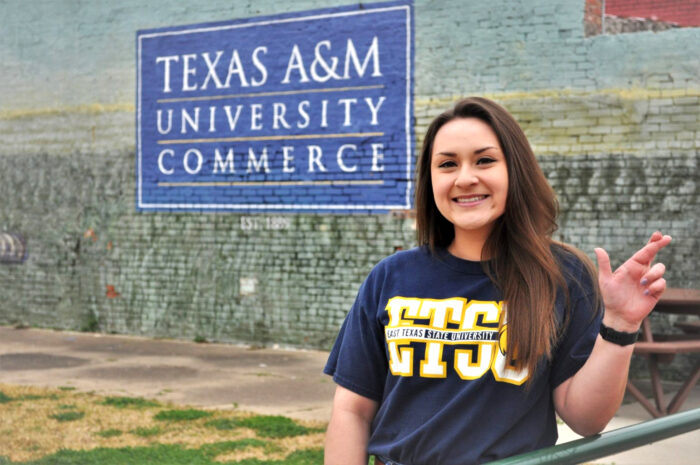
{"x": 305, "y": 112}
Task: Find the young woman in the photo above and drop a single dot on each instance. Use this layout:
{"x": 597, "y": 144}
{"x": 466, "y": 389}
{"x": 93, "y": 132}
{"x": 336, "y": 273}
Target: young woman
{"x": 462, "y": 350}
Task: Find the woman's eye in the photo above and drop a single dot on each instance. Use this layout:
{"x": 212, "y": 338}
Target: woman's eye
{"x": 447, "y": 164}
{"x": 485, "y": 160}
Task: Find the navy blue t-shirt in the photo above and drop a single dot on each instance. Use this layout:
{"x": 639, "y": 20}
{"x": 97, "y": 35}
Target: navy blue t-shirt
{"x": 423, "y": 340}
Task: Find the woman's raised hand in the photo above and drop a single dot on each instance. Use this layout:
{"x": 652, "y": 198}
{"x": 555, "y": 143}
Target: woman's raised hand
{"x": 631, "y": 292}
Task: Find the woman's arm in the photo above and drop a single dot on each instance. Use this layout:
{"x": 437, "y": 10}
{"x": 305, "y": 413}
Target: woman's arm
{"x": 348, "y": 430}
{"x": 589, "y": 399}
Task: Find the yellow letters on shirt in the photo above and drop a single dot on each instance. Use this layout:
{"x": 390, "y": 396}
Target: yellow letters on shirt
{"x": 470, "y": 326}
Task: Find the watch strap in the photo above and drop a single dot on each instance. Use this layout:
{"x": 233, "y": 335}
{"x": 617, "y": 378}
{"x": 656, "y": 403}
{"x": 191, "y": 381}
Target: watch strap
{"x": 620, "y": 338}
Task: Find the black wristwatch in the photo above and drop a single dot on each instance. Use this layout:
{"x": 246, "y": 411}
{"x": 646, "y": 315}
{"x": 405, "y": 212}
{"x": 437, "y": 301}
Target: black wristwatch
{"x": 617, "y": 337}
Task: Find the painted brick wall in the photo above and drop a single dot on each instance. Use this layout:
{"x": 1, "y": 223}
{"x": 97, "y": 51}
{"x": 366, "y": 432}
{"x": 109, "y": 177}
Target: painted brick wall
{"x": 613, "y": 120}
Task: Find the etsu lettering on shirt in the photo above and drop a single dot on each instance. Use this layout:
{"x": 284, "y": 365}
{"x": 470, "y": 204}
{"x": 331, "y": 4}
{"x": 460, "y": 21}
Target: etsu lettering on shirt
{"x": 475, "y": 338}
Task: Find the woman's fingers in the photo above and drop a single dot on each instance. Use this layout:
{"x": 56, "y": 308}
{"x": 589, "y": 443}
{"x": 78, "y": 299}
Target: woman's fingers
{"x": 654, "y": 273}
{"x": 656, "y": 288}
{"x": 604, "y": 270}
{"x": 646, "y": 254}
{"x": 653, "y": 282}
{"x": 655, "y": 236}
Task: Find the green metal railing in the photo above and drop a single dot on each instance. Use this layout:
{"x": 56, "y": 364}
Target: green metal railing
{"x": 612, "y": 442}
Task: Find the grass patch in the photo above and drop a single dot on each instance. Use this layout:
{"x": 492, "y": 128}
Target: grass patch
{"x": 129, "y": 402}
{"x": 171, "y": 454}
{"x": 161, "y": 454}
{"x": 32, "y": 397}
{"x": 273, "y": 426}
{"x": 223, "y": 424}
{"x": 68, "y": 416}
{"x": 66, "y": 388}
{"x": 107, "y": 435}
{"x": 4, "y": 398}
{"x": 219, "y": 448}
{"x": 300, "y": 457}
{"x": 181, "y": 415}
{"x": 269, "y": 426}
{"x": 146, "y": 432}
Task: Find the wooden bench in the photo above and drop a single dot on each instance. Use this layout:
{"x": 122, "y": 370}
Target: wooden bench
{"x": 689, "y": 327}
{"x": 662, "y": 348}
{"x": 667, "y": 347}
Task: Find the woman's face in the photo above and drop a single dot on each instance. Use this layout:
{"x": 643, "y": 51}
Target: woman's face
{"x": 470, "y": 177}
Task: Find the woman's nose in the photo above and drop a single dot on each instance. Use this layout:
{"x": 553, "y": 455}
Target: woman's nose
{"x": 466, "y": 177}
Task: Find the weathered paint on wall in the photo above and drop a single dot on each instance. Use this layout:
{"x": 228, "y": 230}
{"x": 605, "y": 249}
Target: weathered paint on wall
{"x": 613, "y": 119}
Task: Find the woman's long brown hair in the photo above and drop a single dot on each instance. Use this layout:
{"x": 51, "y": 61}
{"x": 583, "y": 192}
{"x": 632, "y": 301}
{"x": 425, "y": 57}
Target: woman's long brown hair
{"x": 519, "y": 249}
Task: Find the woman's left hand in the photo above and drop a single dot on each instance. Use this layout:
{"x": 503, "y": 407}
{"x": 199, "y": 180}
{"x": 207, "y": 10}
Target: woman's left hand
{"x": 632, "y": 291}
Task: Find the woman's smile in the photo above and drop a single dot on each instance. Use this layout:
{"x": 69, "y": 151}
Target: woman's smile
{"x": 469, "y": 200}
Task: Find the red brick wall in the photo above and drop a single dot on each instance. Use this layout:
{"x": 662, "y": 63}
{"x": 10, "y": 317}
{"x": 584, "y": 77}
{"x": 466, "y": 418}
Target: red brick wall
{"x": 683, "y": 12}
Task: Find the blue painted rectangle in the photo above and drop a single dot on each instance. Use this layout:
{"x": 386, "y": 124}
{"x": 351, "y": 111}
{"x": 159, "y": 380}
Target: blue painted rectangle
{"x": 299, "y": 112}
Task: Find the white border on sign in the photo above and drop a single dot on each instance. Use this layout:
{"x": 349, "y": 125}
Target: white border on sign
{"x": 409, "y": 77}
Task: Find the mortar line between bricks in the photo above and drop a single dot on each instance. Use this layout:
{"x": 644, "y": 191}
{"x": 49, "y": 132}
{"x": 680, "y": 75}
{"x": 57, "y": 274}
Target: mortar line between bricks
{"x": 623, "y": 93}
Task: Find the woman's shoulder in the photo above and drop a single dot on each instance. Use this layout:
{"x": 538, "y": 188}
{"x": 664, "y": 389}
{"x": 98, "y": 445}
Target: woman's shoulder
{"x": 402, "y": 259}
{"x": 577, "y": 268}
{"x": 570, "y": 259}
{"x": 394, "y": 268}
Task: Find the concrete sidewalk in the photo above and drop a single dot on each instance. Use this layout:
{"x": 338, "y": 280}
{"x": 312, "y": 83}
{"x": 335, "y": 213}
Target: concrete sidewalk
{"x": 284, "y": 382}
{"x": 267, "y": 381}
